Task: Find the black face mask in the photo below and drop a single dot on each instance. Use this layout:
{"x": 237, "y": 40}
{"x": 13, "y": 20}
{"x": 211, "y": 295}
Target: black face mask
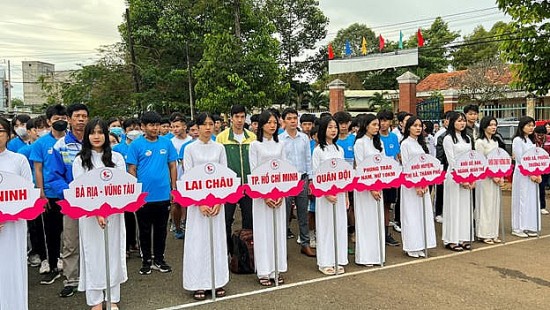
{"x": 60, "y": 125}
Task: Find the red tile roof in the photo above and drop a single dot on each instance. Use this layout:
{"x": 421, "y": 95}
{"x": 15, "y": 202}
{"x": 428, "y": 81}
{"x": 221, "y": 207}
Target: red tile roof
{"x": 442, "y": 81}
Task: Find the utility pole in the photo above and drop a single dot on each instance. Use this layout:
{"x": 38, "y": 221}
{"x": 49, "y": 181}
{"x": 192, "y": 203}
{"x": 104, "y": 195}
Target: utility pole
{"x": 9, "y": 86}
{"x": 190, "y": 84}
{"x": 133, "y": 57}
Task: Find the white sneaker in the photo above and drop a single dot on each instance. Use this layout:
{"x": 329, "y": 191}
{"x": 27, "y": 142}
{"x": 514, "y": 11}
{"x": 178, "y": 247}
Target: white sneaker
{"x": 44, "y": 267}
{"x": 421, "y": 253}
{"x": 520, "y": 234}
{"x": 439, "y": 219}
{"x": 396, "y": 227}
{"x": 59, "y": 264}
{"x": 544, "y": 212}
{"x": 531, "y": 233}
{"x": 34, "y": 260}
{"x": 413, "y": 254}
{"x": 298, "y": 240}
{"x": 312, "y": 239}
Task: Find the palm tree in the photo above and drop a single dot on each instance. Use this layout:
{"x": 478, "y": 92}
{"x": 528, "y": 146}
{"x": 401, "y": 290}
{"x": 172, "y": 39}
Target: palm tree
{"x": 318, "y": 99}
{"x": 378, "y": 102}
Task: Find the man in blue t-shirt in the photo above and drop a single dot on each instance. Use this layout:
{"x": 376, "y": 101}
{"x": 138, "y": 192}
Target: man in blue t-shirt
{"x": 392, "y": 149}
{"x": 42, "y": 155}
{"x": 152, "y": 160}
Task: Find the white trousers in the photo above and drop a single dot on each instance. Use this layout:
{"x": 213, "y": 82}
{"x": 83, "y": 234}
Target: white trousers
{"x": 95, "y": 297}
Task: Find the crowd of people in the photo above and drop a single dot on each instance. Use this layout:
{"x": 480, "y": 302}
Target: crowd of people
{"x": 54, "y": 149}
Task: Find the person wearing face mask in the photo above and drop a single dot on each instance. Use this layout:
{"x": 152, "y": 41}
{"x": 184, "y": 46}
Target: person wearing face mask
{"x": 43, "y": 158}
{"x": 37, "y": 255}
{"x": 21, "y": 137}
{"x": 131, "y": 128}
{"x": 65, "y": 151}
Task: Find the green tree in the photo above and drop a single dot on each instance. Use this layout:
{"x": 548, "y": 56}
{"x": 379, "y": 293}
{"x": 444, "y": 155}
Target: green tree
{"x": 379, "y": 102}
{"x": 318, "y": 99}
{"x": 17, "y": 102}
{"x": 239, "y": 69}
{"x": 434, "y": 57}
{"x": 525, "y": 42}
{"x": 480, "y": 45}
{"x": 354, "y": 34}
{"x": 299, "y": 24}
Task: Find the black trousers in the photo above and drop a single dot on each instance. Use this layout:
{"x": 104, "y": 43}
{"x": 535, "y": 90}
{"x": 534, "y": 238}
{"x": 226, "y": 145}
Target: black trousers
{"x": 439, "y": 199}
{"x": 153, "y": 218}
{"x": 37, "y": 237}
{"x": 53, "y": 227}
{"x": 130, "y": 224}
{"x": 542, "y": 190}
{"x": 245, "y": 203}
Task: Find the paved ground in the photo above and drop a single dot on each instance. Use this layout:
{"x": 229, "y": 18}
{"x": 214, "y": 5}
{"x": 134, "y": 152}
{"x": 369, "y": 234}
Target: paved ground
{"x": 490, "y": 277}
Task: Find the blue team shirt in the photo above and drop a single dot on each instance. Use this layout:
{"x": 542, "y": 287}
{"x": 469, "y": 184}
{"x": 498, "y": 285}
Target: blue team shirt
{"x": 122, "y": 148}
{"x": 182, "y": 150}
{"x": 169, "y": 135}
{"x": 42, "y": 152}
{"x": 347, "y": 146}
{"x": 26, "y": 151}
{"x": 15, "y": 144}
{"x": 391, "y": 145}
{"x": 151, "y": 160}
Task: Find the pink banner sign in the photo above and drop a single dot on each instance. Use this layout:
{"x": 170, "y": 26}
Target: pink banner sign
{"x": 208, "y": 184}
{"x": 535, "y": 161}
{"x": 102, "y": 192}
{"x": 378, "y": 172}
{"x": 332, "y": 177}
{"x": 274, "y": 179}
{"x": 470, "y": 167}
{"x": 19, "y": 200}
{"x": 499, "y": 164}
{"x": 423, "y": 170}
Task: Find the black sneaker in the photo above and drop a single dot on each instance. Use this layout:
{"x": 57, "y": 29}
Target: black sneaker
{"x": 391, "y": 242}
{"x": 67, "y": 291}
{"x": 145, "y": 268}
{"x": 289, "y": 234}
{"x": 50, "y": 277}
{"x": 161, "y": 266}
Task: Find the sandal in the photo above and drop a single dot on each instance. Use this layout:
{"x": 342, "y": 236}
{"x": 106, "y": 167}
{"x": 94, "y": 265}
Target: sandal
{"x": 265, "y": 281}
{"x": 466, "y": 246}
{"x": 497, "y": 240}
{"x": 454, "y": 247}
{"x": 488, "y": 241}
{"x": 199, "y": 295}
{"x": 329, "y": 271}
{"x": 280, "y": 280}
{"x": 220, "y": 292}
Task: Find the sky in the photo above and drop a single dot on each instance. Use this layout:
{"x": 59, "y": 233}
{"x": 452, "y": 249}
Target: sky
{"x": 68, "y": 32}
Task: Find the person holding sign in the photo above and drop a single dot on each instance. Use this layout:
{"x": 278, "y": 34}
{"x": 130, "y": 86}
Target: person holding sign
{"x": 456, "y": 217}
{"x": 196, "y": 269}
{"x": 265, "y": 148}
{"x": 412, "y": 206}
{"x": 487, "y": 196}
{"x": 96, "y": 153}
{"x": 327, "y": 149}
{"x": 13, "y": 235}
{"x": 368, "y": 230}
{"x": 524, "y": 188}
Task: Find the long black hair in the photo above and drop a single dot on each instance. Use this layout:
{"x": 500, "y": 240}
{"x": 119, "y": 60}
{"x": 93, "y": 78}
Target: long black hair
{"x": 363, "y": 121}
{"x": 483, "y": 124}
{"x": 322, "y": 133}
{"x": 201, "y": 118}
{"x": 523, "y": 121}
{"x": 86, "y": 152}
{"x": 262, "y": 120}
{"x": 451, "y": 131}
{"x": 407, "y": 132}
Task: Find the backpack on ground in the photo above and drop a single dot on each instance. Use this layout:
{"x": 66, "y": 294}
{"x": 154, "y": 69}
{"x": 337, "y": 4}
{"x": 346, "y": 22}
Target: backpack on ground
{"x": 242, "y": 253}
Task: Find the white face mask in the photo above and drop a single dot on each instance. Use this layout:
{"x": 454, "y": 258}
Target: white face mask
{"x": 42, "y": 133}
{"x": 133, "y": 134}
{"x": 22, "y": 132}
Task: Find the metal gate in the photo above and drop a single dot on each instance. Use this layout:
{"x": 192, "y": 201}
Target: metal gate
{"x": 430, "y": 109}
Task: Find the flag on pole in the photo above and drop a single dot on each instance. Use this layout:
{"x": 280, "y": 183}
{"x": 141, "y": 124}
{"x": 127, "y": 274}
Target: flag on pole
{"x": 381, "y": 42}
{"x": 330, "y": 52}
{"x": 364, "y": 47}
{"x": 420, "y": 38}
{"x": 400, "y": 40}
{"x": 348, "y": 48}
